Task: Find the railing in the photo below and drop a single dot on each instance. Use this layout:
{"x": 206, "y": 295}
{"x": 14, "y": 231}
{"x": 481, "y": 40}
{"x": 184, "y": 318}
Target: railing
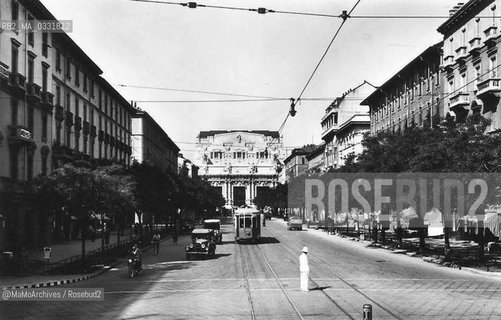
{"x": 492, "y": 84}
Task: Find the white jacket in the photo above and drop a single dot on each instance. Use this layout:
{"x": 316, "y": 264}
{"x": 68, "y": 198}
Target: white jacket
{"x": 304, "y": 265}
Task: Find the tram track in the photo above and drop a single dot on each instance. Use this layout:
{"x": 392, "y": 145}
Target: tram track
{"x": 291, "y": 254}
{"x": 247, "y": 286}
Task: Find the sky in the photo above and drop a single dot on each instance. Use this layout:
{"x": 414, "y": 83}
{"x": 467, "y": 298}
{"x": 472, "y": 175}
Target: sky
{"x": 245, "y": 53}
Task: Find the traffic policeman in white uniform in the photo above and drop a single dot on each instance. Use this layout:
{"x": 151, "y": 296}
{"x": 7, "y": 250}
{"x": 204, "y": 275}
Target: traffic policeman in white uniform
{"x": 304, "y": 269}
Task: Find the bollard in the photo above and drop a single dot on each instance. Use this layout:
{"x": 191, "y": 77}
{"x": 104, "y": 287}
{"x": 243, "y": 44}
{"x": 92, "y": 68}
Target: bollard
{"x": 367, "y": 312}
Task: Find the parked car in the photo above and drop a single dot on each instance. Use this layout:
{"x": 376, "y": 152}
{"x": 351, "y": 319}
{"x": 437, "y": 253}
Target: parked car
{"x": 295, "y": 223}
{"x": 202, "y": 243}
{"x": 214, "y": 224}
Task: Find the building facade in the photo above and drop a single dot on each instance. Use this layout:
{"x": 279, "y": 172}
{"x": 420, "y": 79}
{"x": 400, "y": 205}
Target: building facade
{"x": 413, "y": 96}
{"x": 471, "y": 60}
{"x": 316, "y": 160}
{"x": 296, "y": 162}
{"x": 27, "y": 108}
{"x": 240, "y": 162}
{"x": 151, "y": 143}
{"x": 55, "y": 108}
{"x": 186, "y": 167}
{"x": 345, "y": 112}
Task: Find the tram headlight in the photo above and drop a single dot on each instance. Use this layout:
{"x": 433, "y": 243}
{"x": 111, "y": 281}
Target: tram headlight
{"x": 203, "y": 245}
{"x": 191, "y": 246}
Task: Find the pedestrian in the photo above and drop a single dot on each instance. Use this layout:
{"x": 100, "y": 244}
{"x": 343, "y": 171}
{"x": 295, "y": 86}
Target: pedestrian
{"x": 156, "y": 243}
{"x": 304, "y": 269}
{"x": 106, "y": 234}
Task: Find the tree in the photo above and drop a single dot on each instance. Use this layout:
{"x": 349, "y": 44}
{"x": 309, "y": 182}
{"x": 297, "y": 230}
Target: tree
{"x": 450, "y": 147}
{"x": 83, "y": 191}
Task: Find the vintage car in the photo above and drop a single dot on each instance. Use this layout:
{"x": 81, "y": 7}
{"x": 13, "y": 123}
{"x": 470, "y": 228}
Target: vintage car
{"x": 295, "y": 223}
{"x": 214, "y": 224}
{"x": 202, "y": 243}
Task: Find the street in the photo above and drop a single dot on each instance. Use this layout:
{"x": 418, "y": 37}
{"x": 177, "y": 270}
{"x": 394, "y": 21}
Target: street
{"x": 248, "y": 281}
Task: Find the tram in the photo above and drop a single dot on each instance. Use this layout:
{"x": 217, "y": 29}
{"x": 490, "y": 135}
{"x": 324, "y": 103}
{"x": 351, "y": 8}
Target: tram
{"x": 247, "y": 224}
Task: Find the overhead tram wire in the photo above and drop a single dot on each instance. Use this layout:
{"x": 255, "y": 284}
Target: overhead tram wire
{"x": 257, "y": 98}
{"x": 197, "y": 91}
{"x": 345, "y": 15}
{"x": 194, "y": 5}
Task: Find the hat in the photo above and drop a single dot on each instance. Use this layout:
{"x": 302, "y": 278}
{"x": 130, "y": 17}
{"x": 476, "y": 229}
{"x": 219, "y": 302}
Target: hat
{"x": 305, "y": 249}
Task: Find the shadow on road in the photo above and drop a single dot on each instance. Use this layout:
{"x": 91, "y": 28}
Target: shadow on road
{"x": 321, "y": 288}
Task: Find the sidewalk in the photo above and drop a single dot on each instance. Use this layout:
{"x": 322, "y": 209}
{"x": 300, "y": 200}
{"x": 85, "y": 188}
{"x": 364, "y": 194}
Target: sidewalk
{"x": 71, "y": 248}
{"x": 63, "y": 251}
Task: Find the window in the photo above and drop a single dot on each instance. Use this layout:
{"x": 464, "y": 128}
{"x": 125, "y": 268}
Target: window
{"x": 68, "y": 101}
{"x": 15, "y": 10}
{"x": 31, "y": 34}
{"x": 85, "y": 112}
{"x": 91, "y": 88}
{"x": 58, "y": 133}
{"x": 478, "y": 74}
{"x": 14, "y": 111}
{"x": 44, "y": 164}
{"x": 77, "y": 141}
{"x": 31, "y": 120}
{"x": 493, "y": 67}
{"x": 84, "y": 83}
{"x": 77, "y": 106}
{"x": 463, "y": 82}
{"x": 58, "y": 95}
{"x": 14, "y": 57}
{"x": 58, "y": 60}
{"x": 45, "y": 74}
{"x": 13, "y": 163}
{"x": 77, "y": 76}
{"x": 30, "y": 165}
{"x": 44, "y": 126}
{"x": 45, "y": 44}
{"x": 31, "y": 68}
{"x": 68, "y": 68}
{"x": 68, "y": 136}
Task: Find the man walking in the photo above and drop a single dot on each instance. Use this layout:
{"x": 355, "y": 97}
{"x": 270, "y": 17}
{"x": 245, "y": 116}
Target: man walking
{"x": 304, "y": 269}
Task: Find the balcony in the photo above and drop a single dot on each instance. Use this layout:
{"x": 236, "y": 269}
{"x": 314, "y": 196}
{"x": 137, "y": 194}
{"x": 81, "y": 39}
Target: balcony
{"x": 101, "y": 135}
{"x": 106, "y": 138}
{"x": 488, "y": 86}
{"x": 491, "y": 35}
{"x": 4, "y": 73}
{"x": 112, "y": 141}
{"x": 18, "y": 83}
{"x": 448, "y": 62}
{"x": 59, "y": 113}
{"x": 69, "y": 119}
{"x": 78, "y": 123}
{"x": 33, "y": 92}
{"x": 461, "y": 54}
{"x": 460, "y": 99}
{"x": 93, "y": 131}
{"x": 47, "y": 100}
{"x": 475, "y": 45}
{"x": 20, "y": 135}
{"x": 86, "y": 127}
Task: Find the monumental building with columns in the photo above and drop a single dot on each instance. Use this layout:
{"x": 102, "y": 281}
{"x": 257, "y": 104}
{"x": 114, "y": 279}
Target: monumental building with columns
{"x": 240, "y": 163}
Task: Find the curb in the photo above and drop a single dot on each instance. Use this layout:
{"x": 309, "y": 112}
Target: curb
{"x": 60, "y": 282}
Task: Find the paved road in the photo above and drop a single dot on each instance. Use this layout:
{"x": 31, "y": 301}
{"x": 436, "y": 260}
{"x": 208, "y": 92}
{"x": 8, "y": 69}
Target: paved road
{"x": 262, "y": 282}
